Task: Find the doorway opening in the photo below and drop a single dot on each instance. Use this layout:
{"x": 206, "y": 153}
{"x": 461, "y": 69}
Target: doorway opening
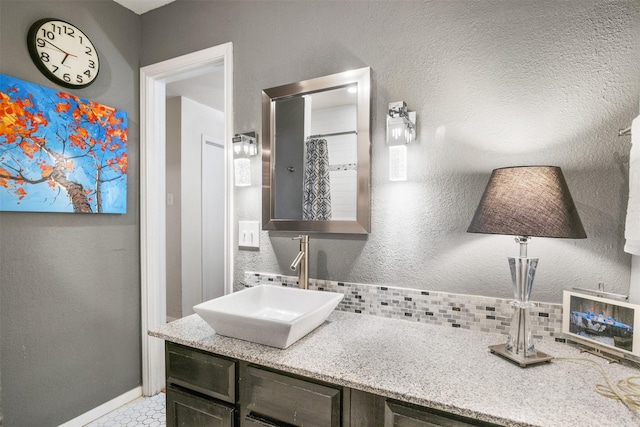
{"x": 195, "y": 191}
{"x": 154, "y": 80}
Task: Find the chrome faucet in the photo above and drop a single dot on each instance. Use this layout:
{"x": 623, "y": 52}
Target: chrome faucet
{"x": 302, "y": 261}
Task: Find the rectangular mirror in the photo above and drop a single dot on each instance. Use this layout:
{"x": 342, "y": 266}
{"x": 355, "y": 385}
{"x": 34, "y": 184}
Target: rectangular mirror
{"x": 316, "y": 154}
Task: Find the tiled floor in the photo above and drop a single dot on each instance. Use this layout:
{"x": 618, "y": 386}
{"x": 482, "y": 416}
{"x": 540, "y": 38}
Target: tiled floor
{"x": 144, "y": 411}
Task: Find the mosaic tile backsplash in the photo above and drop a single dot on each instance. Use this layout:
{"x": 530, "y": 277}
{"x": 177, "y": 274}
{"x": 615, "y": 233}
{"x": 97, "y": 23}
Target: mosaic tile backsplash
{"x": 476, "y": 313}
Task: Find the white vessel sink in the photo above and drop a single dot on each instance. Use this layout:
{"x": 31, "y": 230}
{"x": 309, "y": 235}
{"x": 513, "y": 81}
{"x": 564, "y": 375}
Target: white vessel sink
{"x": 276, "y": 316}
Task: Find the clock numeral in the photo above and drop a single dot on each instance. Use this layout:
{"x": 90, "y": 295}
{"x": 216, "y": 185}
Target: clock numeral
{"x": 66, "y": 77}
{"x": 40, "y": 42}
{"x": 88, "y": 50}
{"x": 81, "y": 39}
{"x": 62, "y": 29}
{"x": 91, "y": 65}
{"x": 55, "y": 68}
{"x": 87, "y": 73}
{"x": 44, "y": 56}
{"x": 79, "y": 78}
{"x": 48, "y": 34}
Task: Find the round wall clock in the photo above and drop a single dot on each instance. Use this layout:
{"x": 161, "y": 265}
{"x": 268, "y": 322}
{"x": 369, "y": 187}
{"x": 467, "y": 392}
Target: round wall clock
{"x": 63, "y": 53}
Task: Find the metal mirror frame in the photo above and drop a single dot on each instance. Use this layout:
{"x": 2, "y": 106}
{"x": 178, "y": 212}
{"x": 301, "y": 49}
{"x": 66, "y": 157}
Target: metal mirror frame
{"x": 362, "y": 224}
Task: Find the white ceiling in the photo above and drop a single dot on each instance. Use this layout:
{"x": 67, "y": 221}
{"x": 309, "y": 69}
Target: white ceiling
{"x": 142, "y": 6}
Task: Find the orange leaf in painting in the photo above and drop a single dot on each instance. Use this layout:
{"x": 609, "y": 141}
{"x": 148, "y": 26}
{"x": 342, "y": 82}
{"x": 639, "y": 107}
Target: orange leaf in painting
{"x": 46, "y": 170}
{"x": 62, "y": 107}
{"x": 21, "y": 193}
{"x": 122, "y": 163}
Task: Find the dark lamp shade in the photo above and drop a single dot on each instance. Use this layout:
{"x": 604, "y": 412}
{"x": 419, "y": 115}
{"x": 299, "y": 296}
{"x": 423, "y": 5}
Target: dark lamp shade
{"x": 531, "y": 201}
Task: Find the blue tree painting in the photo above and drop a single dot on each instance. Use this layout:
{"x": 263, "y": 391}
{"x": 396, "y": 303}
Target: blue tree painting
{"x": 59, "y": 152}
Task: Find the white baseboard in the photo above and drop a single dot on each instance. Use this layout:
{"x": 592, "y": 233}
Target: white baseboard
{"x": 104, "y": 409}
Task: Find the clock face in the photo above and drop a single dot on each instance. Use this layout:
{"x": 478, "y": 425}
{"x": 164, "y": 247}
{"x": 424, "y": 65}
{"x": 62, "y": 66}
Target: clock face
{"x": 63, "y": 53}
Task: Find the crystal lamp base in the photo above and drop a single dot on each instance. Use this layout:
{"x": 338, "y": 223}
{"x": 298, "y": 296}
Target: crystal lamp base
{"x": 520, "y": 347}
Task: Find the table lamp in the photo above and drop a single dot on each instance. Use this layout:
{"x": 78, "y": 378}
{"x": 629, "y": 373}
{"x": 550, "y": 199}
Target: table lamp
{"x": 526, "y": 201}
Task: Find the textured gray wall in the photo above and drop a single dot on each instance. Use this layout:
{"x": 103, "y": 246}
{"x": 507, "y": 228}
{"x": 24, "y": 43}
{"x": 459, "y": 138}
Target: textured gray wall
{"x": 70, "y": 284}
{"x": 494, "y": 84}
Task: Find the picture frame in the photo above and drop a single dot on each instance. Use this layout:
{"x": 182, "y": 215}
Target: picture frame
{"x": 59, "y": 152}
{"x": 601, "y": 323}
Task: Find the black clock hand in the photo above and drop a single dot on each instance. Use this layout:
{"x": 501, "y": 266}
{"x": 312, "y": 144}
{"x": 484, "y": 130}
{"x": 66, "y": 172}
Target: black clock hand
{"x": 47, "y": 41}
{"x": 66, "y": 53}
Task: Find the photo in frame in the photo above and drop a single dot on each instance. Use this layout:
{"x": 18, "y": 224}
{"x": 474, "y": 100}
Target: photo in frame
{"x": 604, "y": 324}
{"x": 60, "y": 152}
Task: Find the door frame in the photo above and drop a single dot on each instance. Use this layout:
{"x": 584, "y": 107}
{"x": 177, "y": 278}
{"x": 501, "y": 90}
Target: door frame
{"x": 153, "y": 80}
{"x": 217, "y": 142}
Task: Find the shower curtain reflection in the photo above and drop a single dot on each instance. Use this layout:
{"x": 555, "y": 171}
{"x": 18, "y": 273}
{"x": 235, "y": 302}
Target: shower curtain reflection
{"x": 316, "y": 197}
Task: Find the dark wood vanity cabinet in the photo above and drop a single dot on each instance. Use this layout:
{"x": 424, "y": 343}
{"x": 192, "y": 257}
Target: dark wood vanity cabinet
{"x": 201, "y": 388}
{"x": 188, "y": 409}
{"x": 271, "y": 398}
{"x": 204, "y": 389}
{"x": 398, "y": 414}
{"x": 370, "y": 410}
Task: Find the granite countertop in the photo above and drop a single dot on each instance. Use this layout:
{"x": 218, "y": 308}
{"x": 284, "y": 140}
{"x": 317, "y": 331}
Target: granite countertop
{"x": 442, "y": 368}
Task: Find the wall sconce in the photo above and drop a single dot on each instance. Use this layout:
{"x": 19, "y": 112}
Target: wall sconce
{"x": 401, "y": 130}
{"x": 245, "y": 146}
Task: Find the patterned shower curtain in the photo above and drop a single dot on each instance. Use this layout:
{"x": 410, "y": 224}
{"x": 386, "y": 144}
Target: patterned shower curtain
{"x": 316, "y": 197}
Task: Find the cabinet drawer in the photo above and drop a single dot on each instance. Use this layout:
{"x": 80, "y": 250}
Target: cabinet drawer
{"x": 203, "y": 372}
{"x": 189, "y": 410}
{"x": 272, "y": 399}
{"x": 405, "y": 415}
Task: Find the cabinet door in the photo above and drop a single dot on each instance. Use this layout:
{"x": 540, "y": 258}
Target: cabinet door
{"x": 201, "y": 371}
{"x": 272, "y": 399}
{"x": 405, "y": 415}
{"x": 367, "y": 410}
{"x": 189, "y": 410}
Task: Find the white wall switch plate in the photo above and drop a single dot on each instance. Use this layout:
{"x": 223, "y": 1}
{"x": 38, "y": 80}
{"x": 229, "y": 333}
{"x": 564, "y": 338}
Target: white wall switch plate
{"x": 249, "y": 234}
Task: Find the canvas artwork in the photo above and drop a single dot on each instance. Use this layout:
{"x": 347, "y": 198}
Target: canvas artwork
{"x": 601, "y": 322}
{"x": 59, "y": 152}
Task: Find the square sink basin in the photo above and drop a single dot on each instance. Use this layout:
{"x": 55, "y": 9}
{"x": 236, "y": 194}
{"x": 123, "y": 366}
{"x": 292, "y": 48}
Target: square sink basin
{"x": 276, "y": 316}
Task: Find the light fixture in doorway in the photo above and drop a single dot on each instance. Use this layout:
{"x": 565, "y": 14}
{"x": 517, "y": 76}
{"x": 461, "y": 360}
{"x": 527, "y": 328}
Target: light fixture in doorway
{"x": 401, "y": 130}
{"x": 245, "y": 146}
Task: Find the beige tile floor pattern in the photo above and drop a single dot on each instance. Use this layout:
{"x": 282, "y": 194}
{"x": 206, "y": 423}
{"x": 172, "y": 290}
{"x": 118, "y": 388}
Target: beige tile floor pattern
{"x": 142, "y": 412}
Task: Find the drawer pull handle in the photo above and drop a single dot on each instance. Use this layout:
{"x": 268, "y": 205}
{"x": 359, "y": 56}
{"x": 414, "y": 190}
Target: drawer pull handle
{"x": 266, "y": 421}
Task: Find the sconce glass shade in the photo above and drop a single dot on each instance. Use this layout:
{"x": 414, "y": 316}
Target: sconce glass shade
{"x": 242, "y": 171}
{"x": 395, "y": 131}
{"x": 245, "y": 146}
{"x": 397, "y": 163}
{"x": 401, "y": 130}
{"x": 252, "y": 147}
{"x": 526, "y": 201}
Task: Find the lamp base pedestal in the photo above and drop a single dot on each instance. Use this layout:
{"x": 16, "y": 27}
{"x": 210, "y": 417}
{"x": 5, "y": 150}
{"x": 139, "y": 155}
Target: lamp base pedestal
{"x": 518, "y": 359}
